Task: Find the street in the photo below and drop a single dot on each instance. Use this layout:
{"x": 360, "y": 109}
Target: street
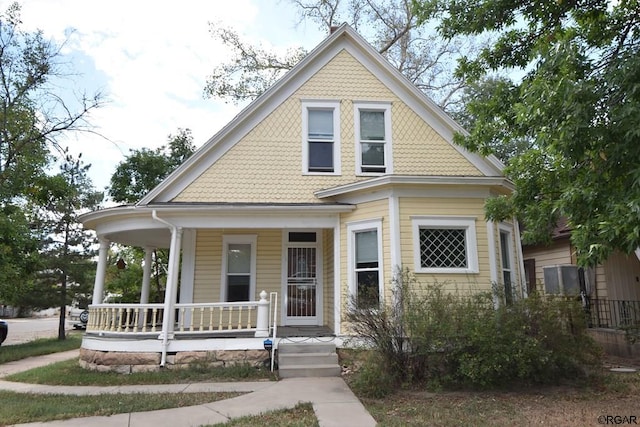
{"x": 28, "y": 329}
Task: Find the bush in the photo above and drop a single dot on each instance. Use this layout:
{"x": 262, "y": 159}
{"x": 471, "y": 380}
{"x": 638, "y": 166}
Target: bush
{"x": 374, "y": 379}
{"x": 450, "y": 338}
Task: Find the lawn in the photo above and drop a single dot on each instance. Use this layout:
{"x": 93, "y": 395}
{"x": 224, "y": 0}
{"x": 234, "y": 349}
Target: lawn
{"x": 613, "y": 395}
{"x": 70, "y": 373}
{"x": 26, "y": 408}
{"x": 609, "y": 394}
{"x": 553, "y": 406}
{"x": 39, "y": 347}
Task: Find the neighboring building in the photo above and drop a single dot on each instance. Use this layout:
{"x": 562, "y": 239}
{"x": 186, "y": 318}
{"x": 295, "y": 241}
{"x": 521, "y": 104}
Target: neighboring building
{"x": 612, "y": 289}
{"x": 317, "y": 193}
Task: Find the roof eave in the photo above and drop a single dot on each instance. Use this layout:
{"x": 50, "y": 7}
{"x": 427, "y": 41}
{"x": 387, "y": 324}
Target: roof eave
{"x": 377, "y": 182}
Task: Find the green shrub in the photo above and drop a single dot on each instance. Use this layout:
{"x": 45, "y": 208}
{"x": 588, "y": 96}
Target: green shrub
{"x": 374, "y": 379}
{"x": 463, "y": 339}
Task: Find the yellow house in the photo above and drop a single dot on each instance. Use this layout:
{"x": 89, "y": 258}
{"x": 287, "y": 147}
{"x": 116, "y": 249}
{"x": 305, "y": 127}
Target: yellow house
{"x": 311, "y": 199}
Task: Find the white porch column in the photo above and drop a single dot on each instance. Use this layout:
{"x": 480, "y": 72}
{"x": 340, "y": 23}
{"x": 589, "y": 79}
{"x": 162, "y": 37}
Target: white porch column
{"x": 171, "y": 292}
{"x": 146, "y": 275}
{"x": 101, "y": 270}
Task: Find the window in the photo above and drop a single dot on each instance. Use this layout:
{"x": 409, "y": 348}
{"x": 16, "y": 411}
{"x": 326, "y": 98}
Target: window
{"x": 366, "y": 258}
{"x": 321, "y": 139}
{"x": 445, "y": 245}
{"x": 507, "y": 264}
{"x": 373, "y": 138}
{"x": 239, "y": 262}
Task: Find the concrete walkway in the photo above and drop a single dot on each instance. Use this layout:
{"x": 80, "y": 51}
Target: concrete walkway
{"x": 333, "y": 402}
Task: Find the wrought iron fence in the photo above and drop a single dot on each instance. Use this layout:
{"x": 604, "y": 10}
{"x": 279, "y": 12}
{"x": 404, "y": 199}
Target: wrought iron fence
{"x": 614, "y": 314}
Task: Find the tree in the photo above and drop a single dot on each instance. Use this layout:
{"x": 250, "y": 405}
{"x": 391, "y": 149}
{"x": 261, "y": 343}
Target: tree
{"x": 143, "y": 169}
{"x": 483, "y": 102}
{"x": 66, "y": 250}
{"x": 133, "y": 178}
{"x": 577, "y": 102}
{"x": 33, "y": 117}
{"x": 391, "y": 26}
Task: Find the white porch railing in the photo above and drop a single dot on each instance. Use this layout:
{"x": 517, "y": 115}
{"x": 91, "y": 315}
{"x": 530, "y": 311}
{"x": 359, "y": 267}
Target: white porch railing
{"x": 191, "y": 319}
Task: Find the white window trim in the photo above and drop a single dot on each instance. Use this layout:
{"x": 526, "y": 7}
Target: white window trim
{"x": 506, "y": 228}
{"x": 352, "y": 228}
{"x": 251, "y": 239}
{"x": 466, "y": 223}
{"x": 388, "y": 157}
{"x": 327, "y": 105}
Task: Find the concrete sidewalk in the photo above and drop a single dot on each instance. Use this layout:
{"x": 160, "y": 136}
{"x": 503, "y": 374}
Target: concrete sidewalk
{"x": 333, "y": 402}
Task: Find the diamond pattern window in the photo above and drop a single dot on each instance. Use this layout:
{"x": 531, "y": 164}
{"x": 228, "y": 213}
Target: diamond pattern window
{"x": 443, "y": 248}
{"x": 445, "y": 244}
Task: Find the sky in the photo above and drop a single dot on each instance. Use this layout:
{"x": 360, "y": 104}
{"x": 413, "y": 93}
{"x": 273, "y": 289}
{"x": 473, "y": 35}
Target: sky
{"x": 150, "y": 60}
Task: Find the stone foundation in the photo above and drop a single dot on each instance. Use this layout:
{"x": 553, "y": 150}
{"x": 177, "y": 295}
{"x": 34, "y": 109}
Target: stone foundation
{"x": 129, "y": 362}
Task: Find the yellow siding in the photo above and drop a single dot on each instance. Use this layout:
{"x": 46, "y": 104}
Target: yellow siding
{"x": 206, "y": 282}
{"x": 378, "y": 209}
{"x": 466, "y": 207}
{"x": 329, "y": 300}
{"x": 419, "y": 150}
{"x": 208, "y": 267}
{"x": 266, "y": 165}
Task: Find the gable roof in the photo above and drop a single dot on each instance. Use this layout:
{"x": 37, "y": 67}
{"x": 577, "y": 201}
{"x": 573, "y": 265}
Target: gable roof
{"x": 343, "y": 38}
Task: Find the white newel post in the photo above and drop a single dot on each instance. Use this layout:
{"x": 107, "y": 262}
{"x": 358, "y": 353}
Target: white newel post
{"x": 101, "y": 270}
{"x": 146, "y": 275}
{"x": 262, "y": 322}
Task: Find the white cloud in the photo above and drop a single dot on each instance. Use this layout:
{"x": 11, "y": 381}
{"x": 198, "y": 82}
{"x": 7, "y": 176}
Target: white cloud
{"x": 151, "y": 60}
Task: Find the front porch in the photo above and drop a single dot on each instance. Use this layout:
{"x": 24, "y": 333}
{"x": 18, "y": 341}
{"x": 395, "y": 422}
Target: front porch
{"x": 128, "y": 338}
{"x": 218, "y": 256}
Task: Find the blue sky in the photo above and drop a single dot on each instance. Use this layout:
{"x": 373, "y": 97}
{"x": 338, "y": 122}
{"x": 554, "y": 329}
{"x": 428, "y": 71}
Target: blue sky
{"x": 151, "y": 60}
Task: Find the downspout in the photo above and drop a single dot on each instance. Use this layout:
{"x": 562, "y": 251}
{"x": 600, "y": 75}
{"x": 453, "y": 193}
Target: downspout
{"x": 168, "y": 293}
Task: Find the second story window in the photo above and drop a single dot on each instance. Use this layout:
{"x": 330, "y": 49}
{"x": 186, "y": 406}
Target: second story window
{"x": 321, "y": 139}
{"x": 373, "y": 140}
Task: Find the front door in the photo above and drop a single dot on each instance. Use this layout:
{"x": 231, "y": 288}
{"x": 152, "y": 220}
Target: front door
{"x": 302, "y": 293}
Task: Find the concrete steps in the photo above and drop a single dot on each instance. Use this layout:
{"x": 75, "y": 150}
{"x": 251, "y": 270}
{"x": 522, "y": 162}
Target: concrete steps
{"x": 297, "y": 360}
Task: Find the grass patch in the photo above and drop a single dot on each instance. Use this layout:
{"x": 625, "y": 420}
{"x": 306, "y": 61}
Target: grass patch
{"x": 571, "y": 404}
{"x": 614, "y": 394}
{"x": 69, "y": 372}
{"x": 301, "y": 415}
{"x": 39, "y": 347}
{"x": 25, "y": 408}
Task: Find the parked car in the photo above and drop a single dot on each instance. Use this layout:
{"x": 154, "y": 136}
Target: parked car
{"x": 78, "y": 317}
{"x": 4, "y": 330}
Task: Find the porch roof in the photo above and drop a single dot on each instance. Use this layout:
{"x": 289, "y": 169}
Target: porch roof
{"x": 134, "y": 224}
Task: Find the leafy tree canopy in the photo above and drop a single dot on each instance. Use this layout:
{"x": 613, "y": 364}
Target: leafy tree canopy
{"x": 33, "y": 113}
{"x": 143, "y": 169}
{"x": 36, "y": 111}
{"x": 575, "y": 106}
